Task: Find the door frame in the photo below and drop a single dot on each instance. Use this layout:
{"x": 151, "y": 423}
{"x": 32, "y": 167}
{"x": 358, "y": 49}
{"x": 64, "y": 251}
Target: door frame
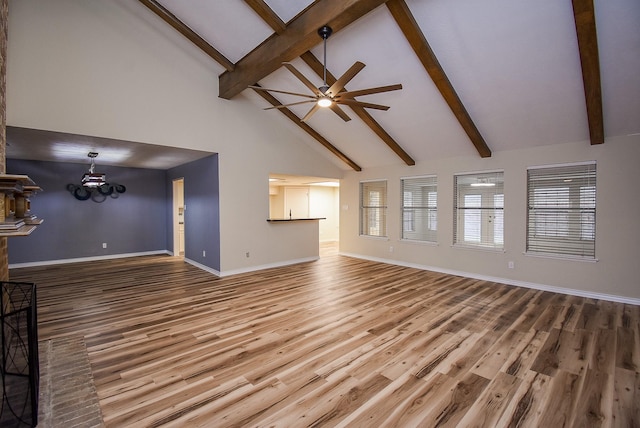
{"x": 178, "y": 213}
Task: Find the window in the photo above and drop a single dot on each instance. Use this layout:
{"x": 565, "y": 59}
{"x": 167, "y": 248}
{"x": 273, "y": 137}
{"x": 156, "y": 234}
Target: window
{"x": 420, "y": 208}
{"x": 479, "y": 210}
{"x": 562, "y": 210}
{"x": 373, "y": 208}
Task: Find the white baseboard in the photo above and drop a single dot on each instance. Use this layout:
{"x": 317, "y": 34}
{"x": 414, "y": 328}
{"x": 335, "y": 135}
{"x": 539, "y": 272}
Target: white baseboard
{"x": 150, "y": 253}
{"x": 203, "y": 267}
{"x": 86, "y": 259}
{"x": 531, "y": 285}
{"x": 268, "y": 266}
{"x": 517, "y": 283}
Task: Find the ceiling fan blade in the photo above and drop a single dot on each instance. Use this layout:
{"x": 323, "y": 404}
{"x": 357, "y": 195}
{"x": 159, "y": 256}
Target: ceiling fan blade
{"x": 369, "y": 91}
{"x": 302, "y": 78}
{"x": 345, "y": 78}
{"x": 337, "y": 110}
{"x": 289, "y": 105}
{"x": 310, "y": 113}
{"x": 260, "y": 88}
{"x": 352, "y": 102}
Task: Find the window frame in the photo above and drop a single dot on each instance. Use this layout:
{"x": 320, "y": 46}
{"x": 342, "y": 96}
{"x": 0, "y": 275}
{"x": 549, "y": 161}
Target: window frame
{"x": 426, "y": 213}
{"x": 487, "y": 210}
{"x": 561, "y": 215}
{"x": 375, "y": 213}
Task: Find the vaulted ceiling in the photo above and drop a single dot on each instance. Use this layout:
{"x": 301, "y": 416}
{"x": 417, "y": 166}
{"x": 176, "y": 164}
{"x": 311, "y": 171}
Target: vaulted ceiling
{"x": 478, "y": 76}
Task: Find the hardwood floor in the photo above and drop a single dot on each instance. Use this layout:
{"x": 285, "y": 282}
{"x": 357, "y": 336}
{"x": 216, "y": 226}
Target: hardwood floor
{"x": 340, "y": 342}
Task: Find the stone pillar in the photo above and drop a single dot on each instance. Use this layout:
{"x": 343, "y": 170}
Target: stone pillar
{"x": 4, "y": 17}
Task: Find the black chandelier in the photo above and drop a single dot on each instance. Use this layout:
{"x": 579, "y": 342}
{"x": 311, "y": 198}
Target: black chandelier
{"x": 94, "y": 185}
{"x": 92, "y": 178}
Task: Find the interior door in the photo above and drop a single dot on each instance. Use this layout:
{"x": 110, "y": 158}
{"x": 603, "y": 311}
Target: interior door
{"x": 178, "y": 217}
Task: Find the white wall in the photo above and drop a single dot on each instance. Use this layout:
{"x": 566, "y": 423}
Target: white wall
{"x": 113, "y": 69}
{"x": 324, "y": 203}
{"x": 616, "y": 274}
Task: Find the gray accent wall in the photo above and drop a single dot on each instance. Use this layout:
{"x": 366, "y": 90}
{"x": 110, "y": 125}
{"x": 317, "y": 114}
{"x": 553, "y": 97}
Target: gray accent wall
{"x": 202, "y": 213}
{"x": 132, "y": 223}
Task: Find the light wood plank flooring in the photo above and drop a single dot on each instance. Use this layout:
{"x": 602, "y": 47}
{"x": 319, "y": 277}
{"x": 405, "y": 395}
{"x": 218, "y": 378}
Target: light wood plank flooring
{"x": 340, "y": 342}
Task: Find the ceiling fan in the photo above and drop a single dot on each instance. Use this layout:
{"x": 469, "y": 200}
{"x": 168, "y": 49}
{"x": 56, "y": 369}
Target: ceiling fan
{"x": 330, "y": 96}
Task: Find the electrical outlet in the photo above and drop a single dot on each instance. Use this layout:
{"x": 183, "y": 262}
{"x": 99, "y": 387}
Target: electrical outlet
{"x": 391, "y": 249}
{"x": 104, "y": 245}
{"x": 204, "y": 253}
{"x": 511, "y": 265}
{"x": 247, "y": 254}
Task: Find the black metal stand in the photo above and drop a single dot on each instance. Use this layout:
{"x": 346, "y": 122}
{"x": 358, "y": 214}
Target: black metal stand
{"x": 20, "y": 369}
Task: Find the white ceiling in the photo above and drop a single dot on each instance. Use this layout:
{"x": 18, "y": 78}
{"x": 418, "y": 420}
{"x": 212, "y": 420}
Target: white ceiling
{"x": 515, "y": 66}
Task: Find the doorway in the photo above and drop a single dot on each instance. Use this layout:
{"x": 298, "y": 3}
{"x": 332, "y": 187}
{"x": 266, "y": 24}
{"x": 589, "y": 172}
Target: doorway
{"x": 178, "y": 217}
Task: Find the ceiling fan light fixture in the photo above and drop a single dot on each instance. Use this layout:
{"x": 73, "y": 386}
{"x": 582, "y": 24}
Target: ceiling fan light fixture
{"x": 324, "y": 101}
{"x": 330, "y": 96}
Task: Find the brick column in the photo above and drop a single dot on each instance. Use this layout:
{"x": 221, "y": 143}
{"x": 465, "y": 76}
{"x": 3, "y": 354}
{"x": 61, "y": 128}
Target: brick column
{"x": 4, "y": 16}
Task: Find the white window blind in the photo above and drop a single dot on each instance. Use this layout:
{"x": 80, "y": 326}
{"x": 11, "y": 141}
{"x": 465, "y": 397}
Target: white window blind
{"x": 562, "y": 210}
{"x": 420, "y": 208}
{"x": 373, "y": 208}
{"x": 479, "y": 209}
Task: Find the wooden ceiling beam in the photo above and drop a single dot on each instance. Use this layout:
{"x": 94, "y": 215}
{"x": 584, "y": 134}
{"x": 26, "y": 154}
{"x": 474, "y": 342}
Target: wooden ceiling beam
{"x": 418, "y": 42}
{"x": 585, "y": 19}
{"x": 318, "y": 68}
{"x": 299, "y": 36}
{"x": 271, "y": 18}
{"x": 191, "y": 35}
{"x": 268, "y": 15}
{"x": 274, "y": 21}
{"x": 309, "y": 130}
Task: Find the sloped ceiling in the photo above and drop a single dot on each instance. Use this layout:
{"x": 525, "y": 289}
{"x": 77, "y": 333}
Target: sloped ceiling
{"x": 510, "y": 72}
{"x": 515, "y": 68}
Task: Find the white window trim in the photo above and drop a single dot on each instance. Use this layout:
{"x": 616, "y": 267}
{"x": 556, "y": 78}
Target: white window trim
{"x": 414, "y": 177}
{"x": 418, "y": 242}
{"x": 465, "y": 246}
{"x": 567, "y": 257}
{"x": 375, "y": 238}
{"x": 562, "y": 165}
{"x": 386, "y": 207}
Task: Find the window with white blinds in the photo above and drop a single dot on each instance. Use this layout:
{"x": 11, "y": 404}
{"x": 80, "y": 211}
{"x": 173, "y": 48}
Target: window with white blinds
{"x": 479, "y": 210}
{"x": 373, "y": 208}
{"x": 562, "y": 210}
{"x": 420, "y": 208}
